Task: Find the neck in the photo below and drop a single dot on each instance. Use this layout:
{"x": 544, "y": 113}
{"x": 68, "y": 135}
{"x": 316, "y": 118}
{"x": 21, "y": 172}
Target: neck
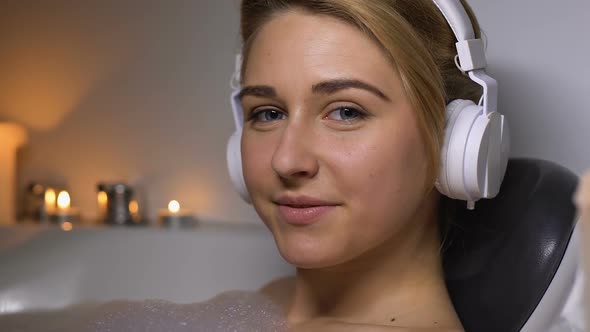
{"x": 399, "y": 282}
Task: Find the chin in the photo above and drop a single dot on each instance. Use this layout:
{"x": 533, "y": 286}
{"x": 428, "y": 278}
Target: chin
{"x": 308, "y": 253}
{"x": 309, "y": 247}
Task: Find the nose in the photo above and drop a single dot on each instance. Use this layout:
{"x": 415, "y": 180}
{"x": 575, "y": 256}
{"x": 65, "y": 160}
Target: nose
{"x": 294, "y": 158}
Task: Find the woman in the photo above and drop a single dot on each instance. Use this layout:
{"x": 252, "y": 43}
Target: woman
{"x": 344, "y": 114}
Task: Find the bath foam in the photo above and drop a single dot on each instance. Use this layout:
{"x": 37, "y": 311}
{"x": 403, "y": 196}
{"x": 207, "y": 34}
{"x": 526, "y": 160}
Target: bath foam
{"x": 229, "y": 311}
{"x": 239, "y": 311}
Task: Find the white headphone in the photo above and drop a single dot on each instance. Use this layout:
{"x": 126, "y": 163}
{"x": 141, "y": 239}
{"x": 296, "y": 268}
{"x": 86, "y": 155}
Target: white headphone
{"x": 475, "y": 151}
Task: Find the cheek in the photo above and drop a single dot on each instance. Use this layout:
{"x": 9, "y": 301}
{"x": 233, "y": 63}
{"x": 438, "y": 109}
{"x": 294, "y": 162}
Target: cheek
{"x": 384, "y": 176}
{"x": 256, "y": 163}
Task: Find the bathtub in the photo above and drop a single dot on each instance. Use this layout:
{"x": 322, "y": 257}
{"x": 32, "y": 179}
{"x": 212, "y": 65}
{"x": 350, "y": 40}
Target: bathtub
{"x": 47, "y": 268}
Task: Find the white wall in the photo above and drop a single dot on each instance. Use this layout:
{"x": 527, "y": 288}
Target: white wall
{"x": 115, "y": 90}
{"x": 538, "y": 51}
{"x": 125, "y": 90}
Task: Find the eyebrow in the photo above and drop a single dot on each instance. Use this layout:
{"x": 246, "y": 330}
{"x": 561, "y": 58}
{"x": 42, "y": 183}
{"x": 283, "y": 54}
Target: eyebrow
{"x": 333, "y": 86}
{"x": 257, "y": 91}
{"x": 325, "y": 87}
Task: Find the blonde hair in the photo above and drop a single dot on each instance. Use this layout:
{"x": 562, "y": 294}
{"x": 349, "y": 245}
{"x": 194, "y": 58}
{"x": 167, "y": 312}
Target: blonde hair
{"x": 412, "y": 33}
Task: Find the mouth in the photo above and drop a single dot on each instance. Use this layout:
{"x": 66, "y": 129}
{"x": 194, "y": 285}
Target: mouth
{"x": 302, "y": 210}
{"x": 302, "y": 215}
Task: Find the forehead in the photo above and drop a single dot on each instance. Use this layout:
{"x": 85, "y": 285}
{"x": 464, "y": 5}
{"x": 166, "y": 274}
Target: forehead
{"x": 304, "y": 48}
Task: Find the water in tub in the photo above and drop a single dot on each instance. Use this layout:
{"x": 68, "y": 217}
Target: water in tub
{"x": 230, "y": 311}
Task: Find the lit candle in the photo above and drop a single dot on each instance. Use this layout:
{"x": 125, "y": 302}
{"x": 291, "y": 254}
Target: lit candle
{"x": 175, "y": 217}
{"x": 174, "y": 206}
{"x": 63, "y": 201}
{"x": 134, "y": 211}
{"x": 64, "y": 212}
{"x": 50, "y": 200}
{"x": 102, "y": 200}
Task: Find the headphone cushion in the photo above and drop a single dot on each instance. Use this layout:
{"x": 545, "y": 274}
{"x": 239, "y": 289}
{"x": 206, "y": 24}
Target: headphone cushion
{"x": 234, "y": 165}
{"x": 452, "y": 112}
{"x": 463, "y": 151}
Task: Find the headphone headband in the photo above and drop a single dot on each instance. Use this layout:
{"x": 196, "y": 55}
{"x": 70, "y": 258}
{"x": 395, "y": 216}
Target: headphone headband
{"x": 470, "y": 51}
{"x": 457, "y": 17}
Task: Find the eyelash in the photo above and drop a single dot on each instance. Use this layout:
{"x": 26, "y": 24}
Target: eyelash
{"x": 360, "y": 115}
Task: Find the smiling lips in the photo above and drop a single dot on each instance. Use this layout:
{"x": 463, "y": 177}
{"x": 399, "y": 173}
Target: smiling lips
{"x": 302, "y": 210}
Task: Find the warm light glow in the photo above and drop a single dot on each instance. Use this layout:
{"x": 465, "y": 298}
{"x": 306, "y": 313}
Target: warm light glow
{"x": 37, "y": 189}
{"x": 63, "y": 200}
{"x": 174, "y": 206}
{"x": 133, "y": 207}
{"x": 50, "y": 198}
{"x": 67, "y": 226}
{"x": 102, "y": 198}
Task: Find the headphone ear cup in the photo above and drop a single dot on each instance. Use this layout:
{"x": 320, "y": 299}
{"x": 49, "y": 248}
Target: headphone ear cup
{"x": 487, "y": 155}
{"x": 234, "y": 165}
{"x": 452, "y": 112}
{"x": 476, "y": 157}
{"x": 462, "y": 158}
{"x": 474, "y": 153}
{"x": 502, "y": 145}
{"x": 464, "y": 153}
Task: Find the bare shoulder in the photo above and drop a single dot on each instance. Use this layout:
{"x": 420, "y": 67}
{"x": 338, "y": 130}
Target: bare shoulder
{"x": 582, "y": 196}
{"x": 279, "y": 290}
{"x": 330, "y": 325}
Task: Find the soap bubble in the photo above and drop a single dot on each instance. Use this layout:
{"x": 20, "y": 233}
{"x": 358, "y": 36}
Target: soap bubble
{"x": 234, "y": 311}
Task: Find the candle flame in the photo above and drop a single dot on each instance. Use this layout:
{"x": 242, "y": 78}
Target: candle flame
{"x": 133, "y": 207}
{"x": 102, "y": 198}
{"x": 174, "y": 206}
{"x": 50, "y": 197}
{"x": 63, "y": 200}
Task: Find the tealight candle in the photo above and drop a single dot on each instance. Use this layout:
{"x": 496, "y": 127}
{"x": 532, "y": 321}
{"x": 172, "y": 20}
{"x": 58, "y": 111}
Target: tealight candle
{"x": 102, "y": 200}
{"x": 50, "y": 200}
{"x": 134, "y": 212}
{"x": 64, "y": 212}
{"x": 175, "y": 217}
{"x": 49, "y": 204}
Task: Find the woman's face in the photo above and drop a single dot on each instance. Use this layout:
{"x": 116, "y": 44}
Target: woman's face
{"x": 327, "y": 118}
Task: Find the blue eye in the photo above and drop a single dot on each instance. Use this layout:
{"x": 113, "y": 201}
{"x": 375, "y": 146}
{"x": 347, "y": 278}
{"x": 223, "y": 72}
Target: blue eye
{"x": 267, "y": 115}
{"x": 345, "y": 113}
